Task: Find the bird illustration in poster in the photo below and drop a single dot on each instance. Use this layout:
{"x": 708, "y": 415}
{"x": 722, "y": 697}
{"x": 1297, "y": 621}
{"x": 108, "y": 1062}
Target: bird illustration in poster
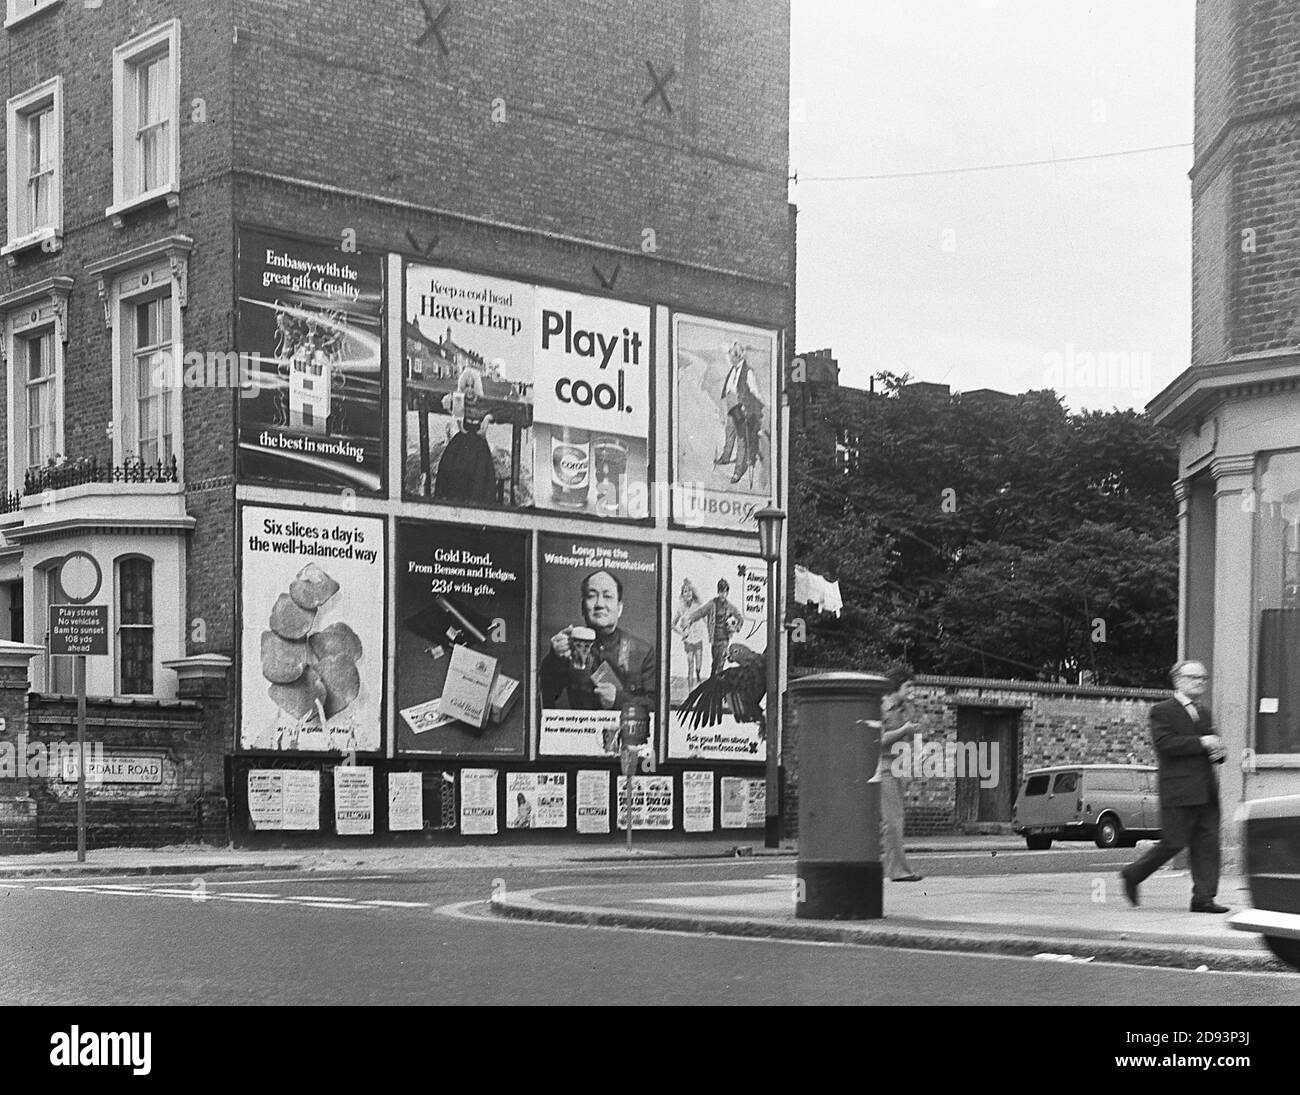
{"x": 739, "y": 690}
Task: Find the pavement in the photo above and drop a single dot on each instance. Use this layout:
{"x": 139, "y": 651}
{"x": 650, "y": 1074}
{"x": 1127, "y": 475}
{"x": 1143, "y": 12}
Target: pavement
{"x": 1054, "y": 917}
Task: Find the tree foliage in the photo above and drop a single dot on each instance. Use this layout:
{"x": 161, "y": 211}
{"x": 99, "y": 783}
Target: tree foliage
{"x": 989, "y": 537}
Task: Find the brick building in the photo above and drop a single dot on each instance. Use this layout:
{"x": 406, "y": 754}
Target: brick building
{"x": 222, "y": 223}
{"x": 1237, "y": 407}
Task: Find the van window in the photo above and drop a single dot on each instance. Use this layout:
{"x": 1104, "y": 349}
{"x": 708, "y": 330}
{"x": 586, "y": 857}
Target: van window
{"x": 1112, "y": 781}
{"x": 1036, "y": 785}
{"x": 1066, "y": 783}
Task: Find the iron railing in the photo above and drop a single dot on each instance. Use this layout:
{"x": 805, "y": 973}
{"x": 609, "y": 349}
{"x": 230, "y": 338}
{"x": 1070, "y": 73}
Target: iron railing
{"x": 73, "y": 473}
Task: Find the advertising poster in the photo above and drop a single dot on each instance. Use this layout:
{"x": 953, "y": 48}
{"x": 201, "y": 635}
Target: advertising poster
{"x": 599, "y": 622}
{"x": 591, "y": 439}
{"x": 478, "y": 801}
{"x": 282, "y": 798}
{"x": 537, "y": 800}
{"x": 313, "y": 398}
{"x": 312, "y": 638}
{"x": 697, "y": 802}
{"x": 652, "y": 802}
{"x": 744, "y": 803}
{"x": 593, "y": 801}
{"x": 717, "y": 657}
{"x": 724, "y": 394}
{"x": 462, "y": 640}
{"x": 354, "y": 801}
{"x": 467, "y": 388}
{"x": 405, "y": 802}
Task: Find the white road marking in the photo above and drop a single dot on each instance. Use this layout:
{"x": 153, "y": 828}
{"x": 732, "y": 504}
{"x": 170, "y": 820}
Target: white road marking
{"x": 255, "y": 900}
{"x": 398, "y": 904}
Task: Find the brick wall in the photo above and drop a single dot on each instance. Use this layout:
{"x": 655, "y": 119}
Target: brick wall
{"x": 1057, "y": 724}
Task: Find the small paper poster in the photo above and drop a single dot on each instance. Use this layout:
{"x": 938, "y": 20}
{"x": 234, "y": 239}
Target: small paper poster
{"x": 478, "y": 801}
{"x": 405, "y": 802}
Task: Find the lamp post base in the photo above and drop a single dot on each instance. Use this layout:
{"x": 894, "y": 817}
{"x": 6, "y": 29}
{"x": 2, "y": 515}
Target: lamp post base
{"x": 772, "y": 832}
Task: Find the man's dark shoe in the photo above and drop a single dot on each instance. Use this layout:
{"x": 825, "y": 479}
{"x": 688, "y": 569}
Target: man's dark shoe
{"x": 1130, "y": 889}
{"x": 1209, "y": 907}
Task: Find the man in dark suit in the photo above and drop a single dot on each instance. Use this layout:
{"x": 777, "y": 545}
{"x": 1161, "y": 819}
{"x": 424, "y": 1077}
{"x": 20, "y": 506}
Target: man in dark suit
{"x": 1188, "y": 748}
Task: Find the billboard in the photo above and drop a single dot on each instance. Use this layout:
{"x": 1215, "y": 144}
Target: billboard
{"x": 518, "y": 396}
{"x": 312, "y": 630}
{"x": 717, "y": 664}
{"x": 309, "y": 322}
{"x": 592, "y": 438}
{"x": 598, "y": 640}
{"x": 724, "y": 432}
{"x": 462, "y": 640}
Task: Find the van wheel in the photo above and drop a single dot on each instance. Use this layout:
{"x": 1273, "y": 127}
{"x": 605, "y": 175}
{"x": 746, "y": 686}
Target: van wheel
{"x": 1286, "y": 949}
{"x": 1038, "y": 843}
{"x": 1109, "y": 834}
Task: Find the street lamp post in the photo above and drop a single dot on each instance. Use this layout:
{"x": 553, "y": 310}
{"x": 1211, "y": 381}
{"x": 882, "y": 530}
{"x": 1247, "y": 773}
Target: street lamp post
{"x": 770, "y": 521}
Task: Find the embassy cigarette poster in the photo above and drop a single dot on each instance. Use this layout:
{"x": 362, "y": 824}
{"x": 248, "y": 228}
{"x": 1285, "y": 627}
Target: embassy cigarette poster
{"x": 310, "y": 340}
{"x": 520, "y": 396}
{"x": 312, "y": 635}
{"x": 599, "y": 624}
{"x": 717, "y": 656}
{"x": 724, "y": 449}
{"x": 462, "y": 640}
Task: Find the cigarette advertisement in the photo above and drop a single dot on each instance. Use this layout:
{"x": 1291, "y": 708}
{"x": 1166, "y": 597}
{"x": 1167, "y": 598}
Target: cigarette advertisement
{"x": 405, "y": 802}
{"x": 697, "y": 802}
{"x": 724, "y": 445}
{"x": 717, "y": 658}
{"x": 354, "y": 801}
{"x": 599, "y": 622}
{"x": 516, "y": 395}
{"x": 592, "y": 803}
{"x": 282, "y": 798}
{"x": 478, "y": 801}
{"x": 462, "y": 640}
{"x": 537, "y": 800}
{"x": 652, "y": 802}
{"x": 744, "y": 803}
{"x": 312, "y": 635}
{"x": 310, "y": 370}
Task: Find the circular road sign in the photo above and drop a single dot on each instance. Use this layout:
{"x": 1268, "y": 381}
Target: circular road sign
{"x": 80, "y": 577}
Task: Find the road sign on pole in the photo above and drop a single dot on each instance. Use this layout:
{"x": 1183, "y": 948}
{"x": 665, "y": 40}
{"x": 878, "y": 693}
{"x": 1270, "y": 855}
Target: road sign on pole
{"x": 79, "y": 628}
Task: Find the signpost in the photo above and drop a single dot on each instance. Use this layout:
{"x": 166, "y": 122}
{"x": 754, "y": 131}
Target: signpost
{"x": 79, "y": 629}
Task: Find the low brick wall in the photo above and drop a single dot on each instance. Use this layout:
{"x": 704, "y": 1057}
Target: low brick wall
{"x": 1054, "y": 724}
{"x": 162, "y": 785}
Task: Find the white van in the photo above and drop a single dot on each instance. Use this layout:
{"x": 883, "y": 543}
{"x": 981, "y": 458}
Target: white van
{"x": 1114, "y": 805}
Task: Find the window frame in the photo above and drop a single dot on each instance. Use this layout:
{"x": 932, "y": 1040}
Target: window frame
{"x": 19, "y": 110}
{"x": 118, "y": 626}
{"x": 1262, "y": 758}
{"x": 128, "y": 60}
{"x": 13, "y": 17}
{"x": 26, "y": 312}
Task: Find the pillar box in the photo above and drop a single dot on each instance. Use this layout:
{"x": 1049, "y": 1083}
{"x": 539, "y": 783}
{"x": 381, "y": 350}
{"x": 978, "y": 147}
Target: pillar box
{"x": 839, "y": 808}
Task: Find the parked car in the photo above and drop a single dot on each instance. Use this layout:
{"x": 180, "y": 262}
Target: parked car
{"x": 1270, "y": 842}
{"x": 1115, "y": 805}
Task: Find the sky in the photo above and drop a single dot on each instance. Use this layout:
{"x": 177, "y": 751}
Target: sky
{"x": 1074, "y": 276}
